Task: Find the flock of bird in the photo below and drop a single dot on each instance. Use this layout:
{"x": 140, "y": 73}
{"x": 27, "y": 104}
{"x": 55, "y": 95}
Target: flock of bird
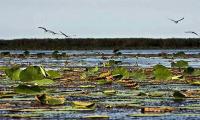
{"x": 67, "y": 36}
{"x": 54, "y": 33}
{"x": 189, "y": 32}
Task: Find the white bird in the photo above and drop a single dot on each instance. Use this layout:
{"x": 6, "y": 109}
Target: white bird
{"x": 177, "y": 21}
{"x": 64, "y": 34}
{"x": 192, "y": 32}
{"x": 45, "y": 30}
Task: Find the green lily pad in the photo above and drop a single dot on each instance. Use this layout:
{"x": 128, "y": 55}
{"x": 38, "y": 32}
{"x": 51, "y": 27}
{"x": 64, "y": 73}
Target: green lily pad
{"x": 121, "y": 71}
{"x": 180, "y": 64}
{"x": 196, "y": 83}
{"x": 83, "y": 104}
{"x": 50, "y": 100}
{"x": 103, "y": 82}
{"x": 109, "y": 92}
{"x": 28, "y": 89}
{"x": 13, "y": 73}
{"x": 179, "y": 95}
{"x": 43, "y": 82}
{"x": 32, "y": 73}
{"x": 53, "y": 74}
{"x": 138, "y": 75}
{"x": 98, "y": 117}
{"x": 87, "y": 86}
{"x": 161, "y": 73}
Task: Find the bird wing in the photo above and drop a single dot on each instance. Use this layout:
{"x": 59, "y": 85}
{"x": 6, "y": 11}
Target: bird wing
{"x": 192, "y": 32}
{"x": 43, "y": 28}
{"x": 64, "y": 34}
{"x": 181, "y": 19}
{"x": 52, "y": 32}
{"x": 172, "y": 20}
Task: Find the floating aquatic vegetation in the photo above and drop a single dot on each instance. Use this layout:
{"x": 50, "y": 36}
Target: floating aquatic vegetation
{"x": 50, "y": 100}
{"x": 178, "y": 77}
{"x": 157, "y": 109}
{"x": 161, "y": 73}
{"x": 189, "y": 70}
{"x": 180, "y": 64}
{"x": 28, "y": 89}
{"x": 32, "y": 73}
{"x": 43, "y": 82}
{"x": 53, "y": 74}
{"x": 138, "y": 75}
{"x": 97, "y": 117}
{"x": 121, "y": 71}
{"x": 109, "y": 92}
{"x": 13, "y": 72}
{"x": 83, "y": 104}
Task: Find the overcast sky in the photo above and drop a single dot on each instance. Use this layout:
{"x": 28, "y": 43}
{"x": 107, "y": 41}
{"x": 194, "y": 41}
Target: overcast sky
{"x": 99, "y": 18}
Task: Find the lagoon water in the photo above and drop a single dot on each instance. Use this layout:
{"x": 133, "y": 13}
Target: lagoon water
{"x": 88, "y": 58}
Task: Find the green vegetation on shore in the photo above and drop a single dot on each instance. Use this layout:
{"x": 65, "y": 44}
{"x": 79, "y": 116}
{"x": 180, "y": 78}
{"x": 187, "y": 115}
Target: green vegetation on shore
{"x": 99, "y": 43}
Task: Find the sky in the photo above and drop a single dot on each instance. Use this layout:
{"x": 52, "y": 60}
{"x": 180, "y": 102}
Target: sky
{"x": 99, "y": 18}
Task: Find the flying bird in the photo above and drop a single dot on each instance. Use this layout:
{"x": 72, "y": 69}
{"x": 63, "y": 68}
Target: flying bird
{"x": 177, "y": 21}
{"x": 45, "y": 30}
{"x": 52, "y": 32}
{"x": 192, "y": 32}
{"x": 64, "y": 34}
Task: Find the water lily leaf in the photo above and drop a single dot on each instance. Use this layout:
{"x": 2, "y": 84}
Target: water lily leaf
{"x": 161, "y": 73}
{"x": 3, "y": 68}
{"x": 196, "y": 73}
{"x": 83, "y": 104}
{"x": 98, "y": 117}
{"x": 109, "y": 92}
{"x": 106, "y": 74}
{"x": 87, "y": 86}
{"x": 28, "y": 89}
{"x": 32, "y": 73}
{"x": 138, "y": 75}
{"x": 158, "y": 66}
{"x": 179, "y": 95}
{"x": 43, "y": 82}
{"x": 50, "y": 100}
{"x": 156, "y": 94}
{"x": 121, "y": 71}
{"x": 13, "y": 73}
{"x": 83, "y": 76}
{"x": 180, "y": 64}
{"x": 93, "y": 70}
{"x": 111, "y": 63}
{"x": 196, "y": 83}
{"x": 53, "y": 74}
{"x": 189, "y": 70}
{"x": 178, "y": 77}
{"x": 103, "y": 82}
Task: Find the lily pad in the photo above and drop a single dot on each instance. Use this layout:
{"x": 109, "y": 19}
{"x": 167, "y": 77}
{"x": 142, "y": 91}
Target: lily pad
{"x": 121, "y": 71}
{"x": 32, "y": 73}
{"x": 50, "y": 100}
{"x": 98, "y": 117}
{"x": 13, "y": 73}
{"x": 109, "y": 92}
{"x": 43, "y": 82}
{"x": 28, "y": 89}
{"x": 161, "y": 73}
{"x": 53, "y": 74}
{"x": 83, "y": 104}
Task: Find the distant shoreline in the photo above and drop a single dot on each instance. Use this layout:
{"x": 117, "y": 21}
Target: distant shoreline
{"x": 100, "y": 43}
